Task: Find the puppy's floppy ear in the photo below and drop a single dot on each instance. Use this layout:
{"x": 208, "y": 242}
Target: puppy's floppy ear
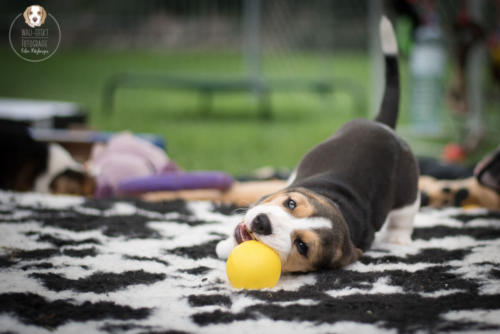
{"x": 44, "y": 15}
{"x": 346, "y": 253}
{"x": 350, "y": 253}
{"x": 25, "y": 14}
{"x": 487, "y": 171}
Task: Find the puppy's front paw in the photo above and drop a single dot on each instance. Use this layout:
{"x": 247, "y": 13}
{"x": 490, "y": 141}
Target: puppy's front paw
{"x": 224, "y": 248}
{"x": 398, "y": 238}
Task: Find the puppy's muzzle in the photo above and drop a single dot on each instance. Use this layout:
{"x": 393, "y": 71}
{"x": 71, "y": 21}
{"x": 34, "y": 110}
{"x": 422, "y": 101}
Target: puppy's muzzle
{"x": 261, "y": 225}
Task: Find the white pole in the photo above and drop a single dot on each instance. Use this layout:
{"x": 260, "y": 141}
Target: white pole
{"x": 377, "y": 67}
{"x": 251, "y": 32}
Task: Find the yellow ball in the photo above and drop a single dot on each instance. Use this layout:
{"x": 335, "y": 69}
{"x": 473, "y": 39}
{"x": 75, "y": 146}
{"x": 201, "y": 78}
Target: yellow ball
{"x": 253, "y": 265}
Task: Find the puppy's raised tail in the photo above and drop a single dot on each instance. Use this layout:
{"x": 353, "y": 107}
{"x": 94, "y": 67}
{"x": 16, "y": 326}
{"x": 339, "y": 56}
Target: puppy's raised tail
{"x": 388, "y": 113}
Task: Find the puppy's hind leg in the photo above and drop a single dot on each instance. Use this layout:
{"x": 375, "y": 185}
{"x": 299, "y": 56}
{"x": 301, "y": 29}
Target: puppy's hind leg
{"x": 400, "y": 224}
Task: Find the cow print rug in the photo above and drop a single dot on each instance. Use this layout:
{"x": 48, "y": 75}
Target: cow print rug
{"x": 70, "y": 265}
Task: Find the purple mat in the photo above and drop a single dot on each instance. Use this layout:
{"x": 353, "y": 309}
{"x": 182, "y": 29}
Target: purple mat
{"x": 177, "y": 181}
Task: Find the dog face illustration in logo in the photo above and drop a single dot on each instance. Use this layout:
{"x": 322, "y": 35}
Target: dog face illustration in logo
{"x": 35, "y": 15}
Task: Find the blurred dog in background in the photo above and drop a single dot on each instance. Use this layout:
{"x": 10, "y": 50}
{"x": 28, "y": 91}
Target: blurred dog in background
{"x": 29, "y": 165}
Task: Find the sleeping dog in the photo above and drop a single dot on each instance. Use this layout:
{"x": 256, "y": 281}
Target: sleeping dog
{"x": 343, "y": 191}
{"x": 29, "y": 165}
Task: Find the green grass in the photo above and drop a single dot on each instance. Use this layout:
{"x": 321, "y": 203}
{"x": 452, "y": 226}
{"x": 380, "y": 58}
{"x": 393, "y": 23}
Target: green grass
{"x": 232, "y": 138}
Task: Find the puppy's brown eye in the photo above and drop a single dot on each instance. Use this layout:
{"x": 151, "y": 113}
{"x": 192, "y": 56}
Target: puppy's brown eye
{"x": 301, "y": 246}
{"x": 290, "y": 203}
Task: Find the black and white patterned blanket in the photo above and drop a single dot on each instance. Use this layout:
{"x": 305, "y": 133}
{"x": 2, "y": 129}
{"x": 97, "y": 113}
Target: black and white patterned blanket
{"x": 68, "y": 265}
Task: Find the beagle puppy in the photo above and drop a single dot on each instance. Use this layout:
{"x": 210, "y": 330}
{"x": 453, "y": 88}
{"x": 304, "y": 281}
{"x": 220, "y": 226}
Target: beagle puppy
{"x": 343, "y": 191}
{"x": 35, "y": 16}
{"x": 459, "y": 193}
{"x": 482, "y": 189}
{"x": 29, "y": 165}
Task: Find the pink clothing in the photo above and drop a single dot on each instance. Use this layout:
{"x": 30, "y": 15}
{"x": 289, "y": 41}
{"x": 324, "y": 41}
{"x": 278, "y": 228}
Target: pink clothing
{"x": 124, "y": 157}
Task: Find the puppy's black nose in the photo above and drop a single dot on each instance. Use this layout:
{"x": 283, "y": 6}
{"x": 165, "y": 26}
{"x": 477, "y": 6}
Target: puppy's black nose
{"x": 261, "y": 225}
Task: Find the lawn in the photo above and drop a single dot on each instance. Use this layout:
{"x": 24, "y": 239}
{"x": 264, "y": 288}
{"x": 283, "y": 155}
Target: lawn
{"x": 232, "y": 138}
